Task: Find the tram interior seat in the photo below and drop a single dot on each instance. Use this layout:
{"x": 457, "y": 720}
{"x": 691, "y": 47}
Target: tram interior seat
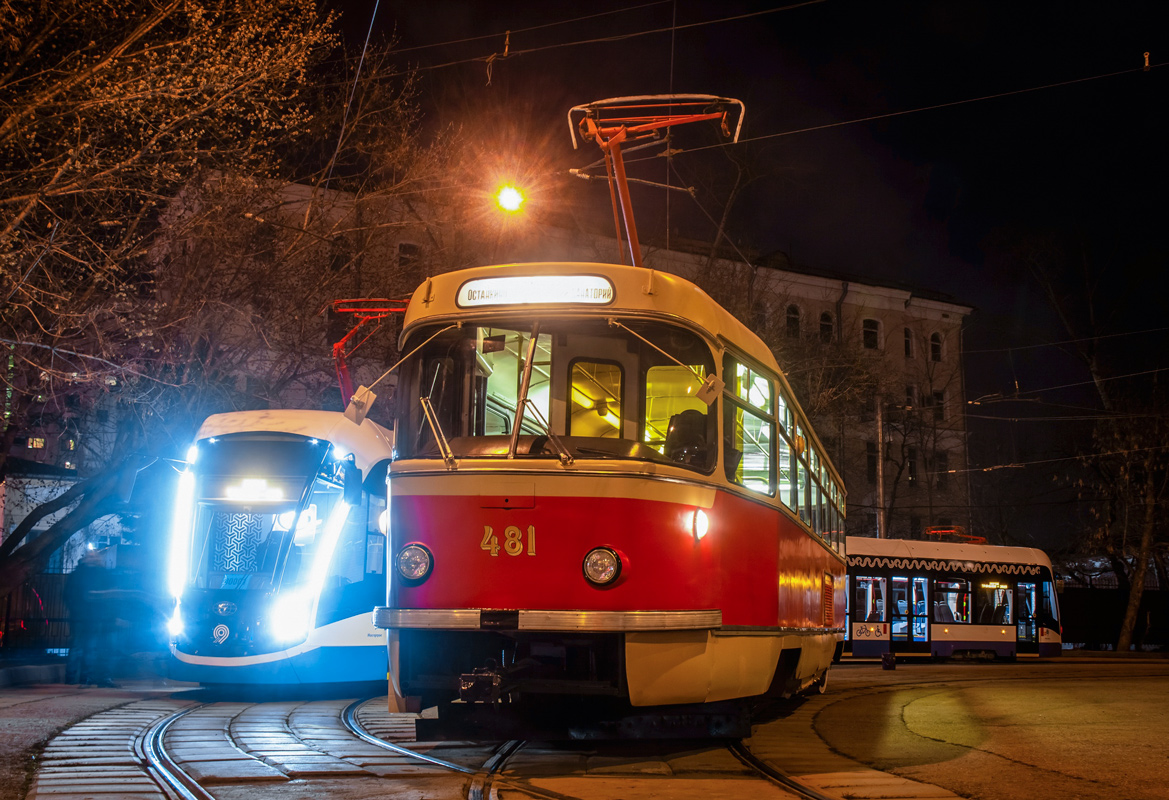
{"x": 686, "y": 437}
{"x": 942, "y": 612}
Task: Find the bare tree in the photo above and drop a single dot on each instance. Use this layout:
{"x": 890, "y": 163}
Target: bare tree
{"x": 1129, "y": 455}
{"x": 183, "y": 188}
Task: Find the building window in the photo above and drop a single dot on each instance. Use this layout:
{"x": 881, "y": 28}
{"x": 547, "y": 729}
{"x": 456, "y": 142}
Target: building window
{"x": 871, "y": 334}
{"x": 939, "y": 404}
{"x": 871, "y": 462}
{"x": 826, "y": 328}
{"x": 910, "y": 397}
{"x": 935, "y": 347}
{"x": 759, "y": 312}
{"x": 793, "y": 322}
{"x": 908, "y": 343}
{"x": 911, "y": 465}
{"x": 407, "y": 254}
{"x": 942, "y": 470}
{"x": 36, "y": 443}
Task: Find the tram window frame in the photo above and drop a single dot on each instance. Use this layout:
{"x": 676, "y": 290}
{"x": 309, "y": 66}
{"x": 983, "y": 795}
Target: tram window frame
{"x": 736, "y": 410}
{"x": 988, "y": 592}
{"x": 570, "y": 401}
{"x": 874, "y": 605}
{"x": 948, "y": 587}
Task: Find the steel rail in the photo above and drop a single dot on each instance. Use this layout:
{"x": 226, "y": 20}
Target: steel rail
{"x": 481, "y": 778}
{"x": 166, "y": 769}
{"x": 773, "y": 773}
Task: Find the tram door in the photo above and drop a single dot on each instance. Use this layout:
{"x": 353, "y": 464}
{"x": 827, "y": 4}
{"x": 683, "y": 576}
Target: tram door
{"x": 909, "y": 614}
{"x": 1026, "y": 622}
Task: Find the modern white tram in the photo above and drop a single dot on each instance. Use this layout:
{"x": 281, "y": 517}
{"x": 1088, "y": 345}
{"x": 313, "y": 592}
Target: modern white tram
{"x": 276, "y": 556}
{"x": 940, "y": 599}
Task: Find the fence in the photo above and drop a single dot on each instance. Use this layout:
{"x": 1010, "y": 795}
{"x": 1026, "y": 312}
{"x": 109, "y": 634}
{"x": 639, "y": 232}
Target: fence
{"x": 35, "y": 617}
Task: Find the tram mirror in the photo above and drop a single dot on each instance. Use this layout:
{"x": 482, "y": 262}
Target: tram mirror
{"x": 351, "y": 483}
{"x": 712, "y": 387}
{"x": 359, "y": 405}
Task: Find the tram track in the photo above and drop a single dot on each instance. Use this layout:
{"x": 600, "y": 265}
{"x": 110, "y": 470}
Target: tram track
{"x": 166, "y": 770}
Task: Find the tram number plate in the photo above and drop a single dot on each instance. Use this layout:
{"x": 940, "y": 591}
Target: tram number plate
{"x": 513, "y": 541}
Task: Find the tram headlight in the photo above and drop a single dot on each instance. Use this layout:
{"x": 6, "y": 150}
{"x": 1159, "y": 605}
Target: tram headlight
{"x": 602, "y": 566}
{"x": 414, "y": 562}
{"x": 174, "y": 625}
{"x": 289, "y": 617}
{"x": 700, "y": 524}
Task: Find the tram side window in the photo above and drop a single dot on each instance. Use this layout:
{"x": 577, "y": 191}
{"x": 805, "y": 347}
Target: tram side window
{"x": 870, "y": 599}
{"x": 676, "y": 422}
{"x": 994, "y": 604}
{"x": 1047, "y": 615}
{"x": 951, "y": 601}
{"x": 749, "y": 428}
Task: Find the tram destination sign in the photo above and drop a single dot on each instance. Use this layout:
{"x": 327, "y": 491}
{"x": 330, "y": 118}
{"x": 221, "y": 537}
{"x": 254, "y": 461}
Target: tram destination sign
{"x": 517, "y": 290}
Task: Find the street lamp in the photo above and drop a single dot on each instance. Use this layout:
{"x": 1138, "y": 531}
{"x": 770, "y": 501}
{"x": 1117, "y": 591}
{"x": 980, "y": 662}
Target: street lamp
{"x": 510, "y": 199}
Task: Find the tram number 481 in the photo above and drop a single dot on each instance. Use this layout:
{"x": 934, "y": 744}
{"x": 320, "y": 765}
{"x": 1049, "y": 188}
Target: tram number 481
{"x": 513, "y": 541}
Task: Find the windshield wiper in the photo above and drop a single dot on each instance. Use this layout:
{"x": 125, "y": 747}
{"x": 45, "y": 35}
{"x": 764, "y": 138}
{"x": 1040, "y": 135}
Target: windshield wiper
{"x": 444, "y": 446}
{"x": 523, "y": 401}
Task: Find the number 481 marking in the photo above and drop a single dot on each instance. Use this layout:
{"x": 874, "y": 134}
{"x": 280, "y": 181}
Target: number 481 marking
{"x": 513, "y": 543}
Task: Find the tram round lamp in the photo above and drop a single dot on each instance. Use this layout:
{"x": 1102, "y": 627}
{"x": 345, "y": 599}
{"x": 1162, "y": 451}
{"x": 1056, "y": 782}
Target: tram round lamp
{"x": 700, "y": 525}
{"x": 602, "y": 566}
{"x": 414, "y": 562}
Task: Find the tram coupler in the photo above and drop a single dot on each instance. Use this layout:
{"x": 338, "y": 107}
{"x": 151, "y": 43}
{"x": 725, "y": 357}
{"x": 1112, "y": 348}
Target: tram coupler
{"x": 482, "y": 685}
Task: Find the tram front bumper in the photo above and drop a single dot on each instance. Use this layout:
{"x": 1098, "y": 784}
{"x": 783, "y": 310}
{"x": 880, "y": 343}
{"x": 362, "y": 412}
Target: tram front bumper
{"x": 474, "y": 619}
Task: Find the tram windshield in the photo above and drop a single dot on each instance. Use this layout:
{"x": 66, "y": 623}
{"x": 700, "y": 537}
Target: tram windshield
{"x": 262, "y": 507}
{"x": 601, "y": 391}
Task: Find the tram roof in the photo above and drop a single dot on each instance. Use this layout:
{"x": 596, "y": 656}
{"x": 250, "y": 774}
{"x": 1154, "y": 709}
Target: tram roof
{"x": 672, "y": 297}
{"x": 369, "y": 442}
{"x": 948, "y": 551}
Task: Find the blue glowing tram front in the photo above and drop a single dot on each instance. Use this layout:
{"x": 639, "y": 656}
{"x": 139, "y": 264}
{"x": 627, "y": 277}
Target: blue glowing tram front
{"x": 277, "y": 557}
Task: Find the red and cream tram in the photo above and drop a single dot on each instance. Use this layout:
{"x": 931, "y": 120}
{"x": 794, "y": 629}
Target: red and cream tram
{"x": 602, "y": 486}
{"x": 942, "y": 599}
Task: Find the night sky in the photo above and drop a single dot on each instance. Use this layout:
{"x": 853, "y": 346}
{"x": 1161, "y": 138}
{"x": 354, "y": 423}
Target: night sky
{"x": 944, "y": 198}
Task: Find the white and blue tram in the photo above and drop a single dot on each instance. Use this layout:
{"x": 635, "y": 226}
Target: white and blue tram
{"x": 276, "y": 556}
{"x": 940, "y": 599}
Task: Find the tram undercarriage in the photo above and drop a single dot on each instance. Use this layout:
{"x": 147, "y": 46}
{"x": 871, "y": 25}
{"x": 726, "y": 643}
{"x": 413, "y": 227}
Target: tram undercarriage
{"x": 552, "y": 685}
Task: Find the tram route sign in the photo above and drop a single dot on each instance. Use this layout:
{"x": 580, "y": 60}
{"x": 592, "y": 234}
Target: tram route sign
{"x": 535, "y": 289}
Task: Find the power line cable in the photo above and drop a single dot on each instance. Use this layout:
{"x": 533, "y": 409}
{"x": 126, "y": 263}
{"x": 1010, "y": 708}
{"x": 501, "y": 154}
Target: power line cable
{"x": 1099, "y": 338}
{"x": 530, "y": 28}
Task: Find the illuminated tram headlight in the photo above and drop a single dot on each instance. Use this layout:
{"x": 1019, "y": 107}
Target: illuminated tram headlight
{"x": 602, "y": 566}
{"x": 180, "y": 544}
{"x": 701, "y": 524}
{"x": 414, "y": 562}
{"x": 174, "y": 625}
{"x": 290, "y": 617}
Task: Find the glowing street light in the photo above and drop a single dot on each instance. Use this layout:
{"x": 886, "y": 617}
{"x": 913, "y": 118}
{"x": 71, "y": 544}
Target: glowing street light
{"x": 510, "y": 199}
